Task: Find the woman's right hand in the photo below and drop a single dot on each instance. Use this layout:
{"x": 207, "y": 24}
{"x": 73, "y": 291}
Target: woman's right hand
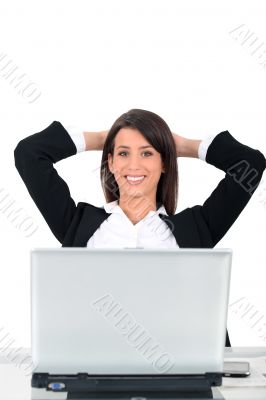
{"x": 104, "y": 135}
{"x": 95, "y": 140}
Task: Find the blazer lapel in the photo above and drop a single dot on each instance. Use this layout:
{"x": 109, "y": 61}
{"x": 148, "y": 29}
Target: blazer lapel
{"x": 90, "y": 222}
{"x": 183, "y": 227}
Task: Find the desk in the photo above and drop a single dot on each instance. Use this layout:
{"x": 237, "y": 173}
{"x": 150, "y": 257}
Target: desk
{"x": 15, "y": 380}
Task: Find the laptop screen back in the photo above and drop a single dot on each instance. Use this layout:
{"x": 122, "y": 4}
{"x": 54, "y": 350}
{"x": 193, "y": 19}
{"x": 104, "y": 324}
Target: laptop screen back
{"x": 130, "y": 311}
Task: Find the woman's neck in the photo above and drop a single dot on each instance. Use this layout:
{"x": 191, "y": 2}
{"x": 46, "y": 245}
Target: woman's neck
{"x": 136, "y": 209}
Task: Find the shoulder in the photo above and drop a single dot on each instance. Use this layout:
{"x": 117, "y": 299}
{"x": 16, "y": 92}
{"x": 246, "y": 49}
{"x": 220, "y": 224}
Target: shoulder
{"x": 83, "y": 205}
{"x": 90, "y": 209}
{"x": 189, "y": 218}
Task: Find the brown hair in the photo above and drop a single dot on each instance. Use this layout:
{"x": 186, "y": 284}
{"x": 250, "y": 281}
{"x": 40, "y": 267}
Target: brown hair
{"x": 158, "y": 134}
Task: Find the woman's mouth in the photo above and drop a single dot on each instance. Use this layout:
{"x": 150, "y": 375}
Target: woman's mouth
{"x": 135, "y": 180}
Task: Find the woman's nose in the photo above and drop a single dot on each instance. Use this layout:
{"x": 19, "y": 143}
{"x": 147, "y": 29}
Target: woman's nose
{"x": 134, "y": 161}
{"x": 134, "y": 166}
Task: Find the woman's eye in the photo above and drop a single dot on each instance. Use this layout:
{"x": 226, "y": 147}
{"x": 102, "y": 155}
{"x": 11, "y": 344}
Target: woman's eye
{"x": 125, "y": 152}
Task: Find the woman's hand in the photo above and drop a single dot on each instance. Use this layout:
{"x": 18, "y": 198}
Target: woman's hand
{"x": 104, "y": 135}
{"x": 178, "y": 143}
{"x": 186, "y": 147}
{"x": 95, "y": 140}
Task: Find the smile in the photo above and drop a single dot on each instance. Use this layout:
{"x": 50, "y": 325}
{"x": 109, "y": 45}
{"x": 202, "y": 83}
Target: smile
{"x": 135, "y": 180}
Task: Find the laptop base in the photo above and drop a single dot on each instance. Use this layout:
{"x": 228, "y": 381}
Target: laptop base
{"x": 85, "y": 386}
{"x": 204, "y": 395}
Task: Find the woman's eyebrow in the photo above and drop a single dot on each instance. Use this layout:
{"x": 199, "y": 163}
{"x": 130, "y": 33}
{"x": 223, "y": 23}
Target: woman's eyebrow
{"x": 141, "y": 147}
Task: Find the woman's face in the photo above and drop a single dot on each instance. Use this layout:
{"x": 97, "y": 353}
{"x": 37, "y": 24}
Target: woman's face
{"x": 134, "y": 156}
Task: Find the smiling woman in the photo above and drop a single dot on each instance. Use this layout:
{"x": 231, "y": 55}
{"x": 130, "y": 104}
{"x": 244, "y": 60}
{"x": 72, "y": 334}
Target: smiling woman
{"x": 139, "y": 164}
{"x": 139, "y": 145}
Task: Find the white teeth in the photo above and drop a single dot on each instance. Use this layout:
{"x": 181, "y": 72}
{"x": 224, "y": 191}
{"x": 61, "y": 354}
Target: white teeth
{"x": 133, "y": 178}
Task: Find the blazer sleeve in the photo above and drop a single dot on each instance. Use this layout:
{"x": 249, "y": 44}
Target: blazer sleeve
{"x": 34, "y": 159}
{"x": 243, "y": 167}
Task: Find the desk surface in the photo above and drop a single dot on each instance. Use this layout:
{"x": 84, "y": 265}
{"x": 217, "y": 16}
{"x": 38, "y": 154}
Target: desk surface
{"x": 15, "y": 378}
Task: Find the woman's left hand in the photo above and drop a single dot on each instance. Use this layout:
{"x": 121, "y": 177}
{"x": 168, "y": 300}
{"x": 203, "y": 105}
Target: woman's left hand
{"x": 186, "y": 147}
{"x": 178, "y": 143}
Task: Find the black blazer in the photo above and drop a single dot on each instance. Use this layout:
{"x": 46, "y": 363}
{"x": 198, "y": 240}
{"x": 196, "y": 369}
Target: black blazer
{"x": 194, "y": 227}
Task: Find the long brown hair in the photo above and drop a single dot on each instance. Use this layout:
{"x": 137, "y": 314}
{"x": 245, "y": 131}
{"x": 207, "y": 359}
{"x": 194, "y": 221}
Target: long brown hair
{"x": 159, "y": 135}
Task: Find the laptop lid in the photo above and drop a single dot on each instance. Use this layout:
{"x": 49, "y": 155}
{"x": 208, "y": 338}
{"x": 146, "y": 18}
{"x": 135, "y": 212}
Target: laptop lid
{"x": 129, "y": 311}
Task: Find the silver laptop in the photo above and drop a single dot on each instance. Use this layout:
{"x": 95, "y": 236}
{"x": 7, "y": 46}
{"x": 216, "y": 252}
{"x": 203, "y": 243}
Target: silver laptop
{"x": 129, "y": 311}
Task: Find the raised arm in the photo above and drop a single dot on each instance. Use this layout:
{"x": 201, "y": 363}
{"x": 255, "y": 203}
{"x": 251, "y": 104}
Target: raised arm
{"x": 34, "y": 159}
{"x": 243, "y": 167}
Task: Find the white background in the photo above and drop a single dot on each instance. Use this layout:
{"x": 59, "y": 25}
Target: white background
{"x": 91, "y": 61}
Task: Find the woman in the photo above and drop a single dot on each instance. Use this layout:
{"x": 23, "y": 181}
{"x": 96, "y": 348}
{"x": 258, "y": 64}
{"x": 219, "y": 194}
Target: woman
{"x": 138, "y": 212}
